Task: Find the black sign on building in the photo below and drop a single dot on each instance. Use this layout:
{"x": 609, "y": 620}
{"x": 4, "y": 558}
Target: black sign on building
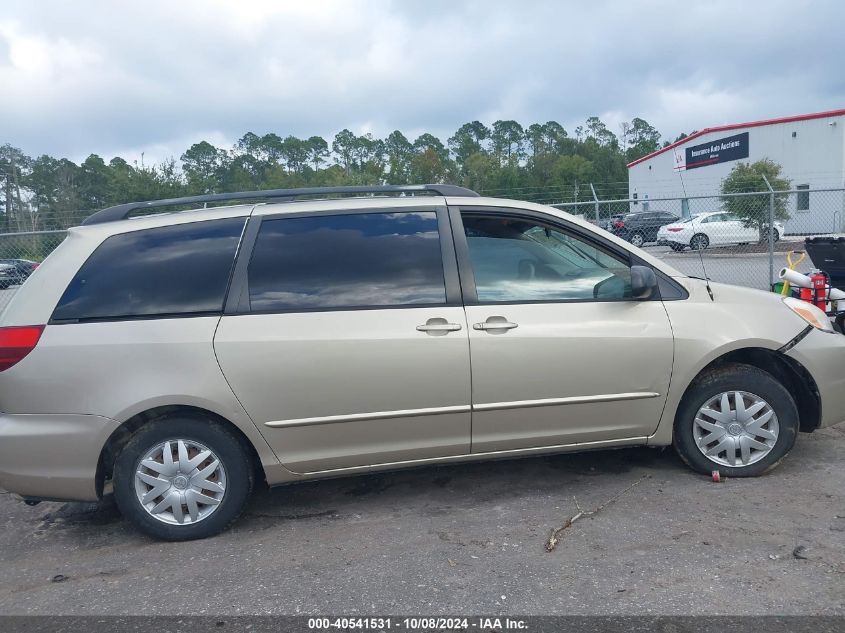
{"x": 719, "y": 151}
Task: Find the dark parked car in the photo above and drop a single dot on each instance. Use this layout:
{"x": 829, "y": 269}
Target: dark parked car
{"x": 641, "y": 226}
{"x": 15, "y": 271}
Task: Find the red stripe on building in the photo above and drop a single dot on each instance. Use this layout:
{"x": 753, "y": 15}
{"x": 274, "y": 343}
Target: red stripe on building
{"x": 738, "y": 126}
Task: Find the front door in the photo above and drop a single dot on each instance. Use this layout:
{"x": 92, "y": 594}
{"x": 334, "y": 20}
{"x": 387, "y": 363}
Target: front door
{"x": 350, "y": 346}
{"x": 560, "y": 352}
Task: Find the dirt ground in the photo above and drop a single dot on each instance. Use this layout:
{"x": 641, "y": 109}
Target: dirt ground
{"x": 464, "y": 539}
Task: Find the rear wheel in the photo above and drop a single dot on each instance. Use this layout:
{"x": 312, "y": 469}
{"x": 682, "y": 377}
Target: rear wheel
{"x": 182, "y": 478}
{"x": 637, "y": 239}
{"x": 736, "y": 419}
{"x": 699, "y": 242}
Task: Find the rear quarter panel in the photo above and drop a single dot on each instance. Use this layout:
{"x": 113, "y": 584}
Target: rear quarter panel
{"x": 119, "y": 369}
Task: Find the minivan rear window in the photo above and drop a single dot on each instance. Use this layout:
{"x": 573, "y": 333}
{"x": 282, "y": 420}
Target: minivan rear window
{"x": 172, "y": 270}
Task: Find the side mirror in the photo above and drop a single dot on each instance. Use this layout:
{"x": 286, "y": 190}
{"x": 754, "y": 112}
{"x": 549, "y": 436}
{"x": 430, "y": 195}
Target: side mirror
{"x": 643, "y": 283}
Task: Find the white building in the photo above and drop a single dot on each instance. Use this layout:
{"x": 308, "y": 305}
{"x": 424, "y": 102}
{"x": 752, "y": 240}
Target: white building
{"x": 809, "y": 147}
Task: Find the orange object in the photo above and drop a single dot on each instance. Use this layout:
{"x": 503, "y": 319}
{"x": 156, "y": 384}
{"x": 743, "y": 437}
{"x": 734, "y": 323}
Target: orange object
{"x": 819, "y": 289}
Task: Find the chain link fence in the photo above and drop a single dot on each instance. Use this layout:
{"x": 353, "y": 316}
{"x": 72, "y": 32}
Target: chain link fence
{"x": 20, "y": 255}
{"x": 739, "y": 239}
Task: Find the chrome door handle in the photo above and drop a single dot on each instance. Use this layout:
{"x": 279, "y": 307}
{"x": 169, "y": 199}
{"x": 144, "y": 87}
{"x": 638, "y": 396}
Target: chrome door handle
{"x": 495, "y": 323}
{"x": 438, "y": 327}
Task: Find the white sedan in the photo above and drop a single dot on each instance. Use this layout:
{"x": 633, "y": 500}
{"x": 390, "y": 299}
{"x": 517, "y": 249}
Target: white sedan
{"x": 711, "y": 229}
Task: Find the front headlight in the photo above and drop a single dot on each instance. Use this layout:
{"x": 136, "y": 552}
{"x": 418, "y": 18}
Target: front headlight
{"x": 810, "y": 313}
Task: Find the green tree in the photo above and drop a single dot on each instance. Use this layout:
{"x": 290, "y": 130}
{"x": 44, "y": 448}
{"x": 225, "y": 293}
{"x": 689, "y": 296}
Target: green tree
{"x": 296, "y": 154}
{"x": 249, "y": 143}
{"x": 93, "y": 183}
{"x": 535, "y": 136}
{"x": 468, "y": 140}
{"x": 540, "y": 162}
{"x": 343, "y": 146}
{"x": 598, "y": 132}
{"x": 555, "y": 137}
{"x": 754, "y": 210}
{"x": 14, "y": 167}
{"x": 318, "y": 151}
{"x": 428, "y": 167}
{"x": 270, "y": 149}
{"x": 400, "y": 152}
{"x": 507, "y": 140}
{"x": 54, "y": 193}
{"x": 427, "y": 142}
{"x": 643, "y": 139}
{"x": 480, "y": 171}
{"x": 571, "y": 171}
{"x": 204, "y": 165}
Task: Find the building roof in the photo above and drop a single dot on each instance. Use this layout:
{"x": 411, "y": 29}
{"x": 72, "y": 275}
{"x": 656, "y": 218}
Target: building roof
{"x": 737, "y": 126}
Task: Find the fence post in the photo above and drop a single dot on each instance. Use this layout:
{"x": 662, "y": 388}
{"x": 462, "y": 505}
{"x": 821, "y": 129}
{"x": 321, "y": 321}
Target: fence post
{"x": 771, "y": 233}
{"x": 596, "y": 198}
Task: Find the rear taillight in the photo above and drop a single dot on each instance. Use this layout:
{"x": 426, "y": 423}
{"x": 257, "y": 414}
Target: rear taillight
{"x": 619, "y": 224}
{"x": 35, "y": 265}
{"x": 675, "y": 230}
{"x": 16, "y": 343}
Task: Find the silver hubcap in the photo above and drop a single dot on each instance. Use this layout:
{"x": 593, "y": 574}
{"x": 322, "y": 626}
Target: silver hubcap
{"x": 735, "y": 428}
{"x": 180, "y": 482}
{"x": 637, "y": 240}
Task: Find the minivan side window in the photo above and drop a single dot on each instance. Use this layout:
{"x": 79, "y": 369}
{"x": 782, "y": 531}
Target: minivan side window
{"x": 164, "y": 271}
{"x": 347, "y": 261}
{"x": 516, "y": 259}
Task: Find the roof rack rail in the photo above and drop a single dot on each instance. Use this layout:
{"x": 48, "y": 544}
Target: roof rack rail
{"x": 123, "y": 211}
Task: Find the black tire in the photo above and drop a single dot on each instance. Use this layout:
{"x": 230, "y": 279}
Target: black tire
{"x": 699, "y": 242}
{"x": 637, "y": 239}
{"x": 776, "y": 236}
{"x": 676, "y": 247}
{"x": 735, "y": 377}
{"x": 228, "y": 448}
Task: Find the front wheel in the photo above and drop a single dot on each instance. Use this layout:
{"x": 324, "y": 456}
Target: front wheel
{"x": 182, "y": 478}
{"x": 736, "y": 419}
{"x": 637, "y": 239}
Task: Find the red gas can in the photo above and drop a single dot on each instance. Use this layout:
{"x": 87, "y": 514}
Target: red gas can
{"x": 819, "y": 280}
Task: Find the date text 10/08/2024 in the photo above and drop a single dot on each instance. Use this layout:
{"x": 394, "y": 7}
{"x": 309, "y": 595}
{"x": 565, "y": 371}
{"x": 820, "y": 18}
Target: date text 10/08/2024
{"x": 417, "y": 623}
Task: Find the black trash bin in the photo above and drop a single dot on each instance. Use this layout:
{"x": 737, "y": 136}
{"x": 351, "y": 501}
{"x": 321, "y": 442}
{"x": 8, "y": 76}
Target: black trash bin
{"x": 828, "y": 254}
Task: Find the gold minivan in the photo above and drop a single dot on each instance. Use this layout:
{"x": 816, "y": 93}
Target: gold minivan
{"x": 173, "y": 359}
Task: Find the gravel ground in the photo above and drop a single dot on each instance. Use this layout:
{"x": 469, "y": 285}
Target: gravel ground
{"x": 464, "y": 539}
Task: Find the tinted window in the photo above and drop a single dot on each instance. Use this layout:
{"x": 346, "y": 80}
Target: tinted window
{"x": 356, "y": 260}
{"x": 520, "y": 260}
{"x": 163, "y": 271}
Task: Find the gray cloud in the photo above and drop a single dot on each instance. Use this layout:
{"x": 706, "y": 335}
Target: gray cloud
{"x": 121, "y": 78}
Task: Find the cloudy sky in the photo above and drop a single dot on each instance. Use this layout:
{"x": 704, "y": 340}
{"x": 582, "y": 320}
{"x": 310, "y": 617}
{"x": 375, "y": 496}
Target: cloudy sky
{"x": 121, "y": 78}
